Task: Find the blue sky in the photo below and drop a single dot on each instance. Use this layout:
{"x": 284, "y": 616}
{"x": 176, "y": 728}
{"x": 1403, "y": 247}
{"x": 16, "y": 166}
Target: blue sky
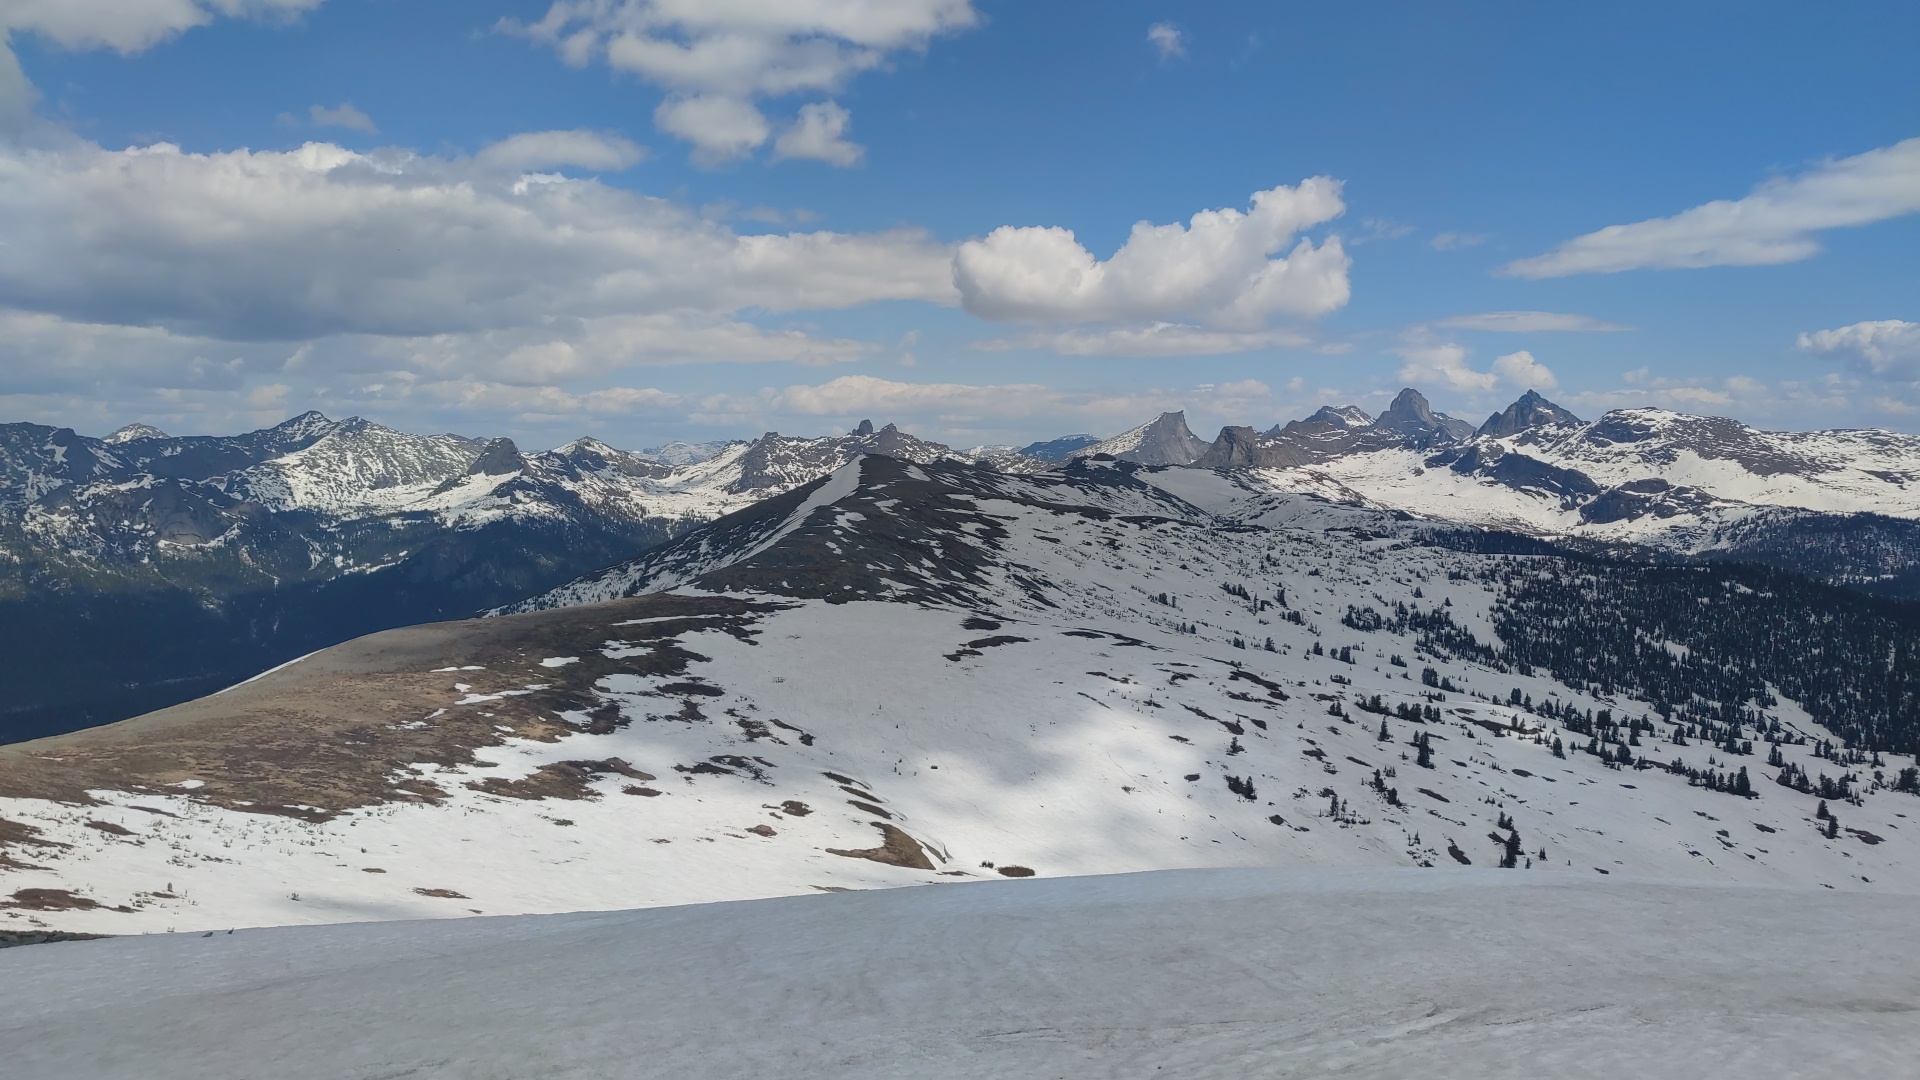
{"x": 657, "y": 219}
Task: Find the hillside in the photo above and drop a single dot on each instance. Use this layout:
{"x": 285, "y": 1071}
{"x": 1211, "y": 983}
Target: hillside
{"x": 907, "y": 674}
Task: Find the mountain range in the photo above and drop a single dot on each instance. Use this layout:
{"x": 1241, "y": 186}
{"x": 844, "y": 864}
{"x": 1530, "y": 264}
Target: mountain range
{"x": 922, "y": 672}
{"x": 140, "y": 570}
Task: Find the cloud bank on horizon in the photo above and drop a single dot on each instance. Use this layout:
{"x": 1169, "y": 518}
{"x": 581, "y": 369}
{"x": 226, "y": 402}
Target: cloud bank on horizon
{"x": 534, "y": 278}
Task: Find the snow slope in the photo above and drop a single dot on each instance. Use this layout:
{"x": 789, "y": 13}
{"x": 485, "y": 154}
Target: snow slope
{"x": 1191, "y": 974}
{"x": 904, "y": 675}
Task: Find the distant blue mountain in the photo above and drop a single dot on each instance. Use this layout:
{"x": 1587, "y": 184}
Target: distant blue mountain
{"x": 1057, "y": 449}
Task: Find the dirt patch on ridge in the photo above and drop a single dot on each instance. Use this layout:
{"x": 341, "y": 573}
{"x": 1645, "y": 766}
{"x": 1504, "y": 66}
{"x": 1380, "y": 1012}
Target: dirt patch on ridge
{"x": 896, "y": 849}
{"x": 342, "y": 729}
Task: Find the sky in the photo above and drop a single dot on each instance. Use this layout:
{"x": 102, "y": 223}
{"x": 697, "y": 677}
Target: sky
{"x": 987, "y": 221}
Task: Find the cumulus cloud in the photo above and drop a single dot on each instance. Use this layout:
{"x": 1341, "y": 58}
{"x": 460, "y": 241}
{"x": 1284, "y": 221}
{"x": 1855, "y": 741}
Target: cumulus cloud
{"x": 1167, "y": 40}
{"x": 1454, "y": 241}
{"x": 1887, "y": 348}
{"x": 396, "y": 244}
{"x": 1218, "y": 271}
{"x": 343, "y": 115}
{"x": 1778, "y": 223}
{"x": 820, "y": 134}
{"x": 1520, "y": 369}
{"x": 717, "y": 58}
{"x": 720, "y": 128}
{"x": 1531, "y": 322}
{"x": 1446, "y": 365}
{"x": 554, "y": 149}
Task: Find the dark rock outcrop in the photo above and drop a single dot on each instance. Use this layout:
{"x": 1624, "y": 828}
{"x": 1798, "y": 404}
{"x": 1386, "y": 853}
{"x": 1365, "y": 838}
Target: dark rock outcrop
{"x": 1531, "y": 411}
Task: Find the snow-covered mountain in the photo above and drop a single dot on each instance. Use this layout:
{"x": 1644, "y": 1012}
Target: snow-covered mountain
{"x": 1164, "y": 440}
{"x": 1843, "y": 506}
{"x": 914, "y": 673}
{"x": 145, "y": 568}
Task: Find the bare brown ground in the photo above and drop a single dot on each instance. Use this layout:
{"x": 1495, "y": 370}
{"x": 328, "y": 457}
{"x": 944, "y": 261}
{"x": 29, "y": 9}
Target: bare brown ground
{"x": 340, "y": 729}
{"x": 897, "y": 849}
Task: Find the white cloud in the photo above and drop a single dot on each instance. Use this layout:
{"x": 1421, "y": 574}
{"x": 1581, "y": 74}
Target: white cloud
{"x": 1156, "y": 339}
{"x": 321, "y": 240}
{"x": 1454, "y": 241}
{"x": 1888, "y": 348}
{"x": 1168, "y": 41}
{"x": 130, "y": 26}
{"x": 720, "y": 128}
{"x": 1530, "y": 322}
{"x": 344, "y": 115}
{"x": 553, "y": 149}
{"x": 1218, "y": 271}
{"x": 820, "y": 134}
{"x": 1520, "y": 370}
{"x": 1778, "y": 223}
{"x": 716, "y": 58}
{"x": 1446, "y": 365}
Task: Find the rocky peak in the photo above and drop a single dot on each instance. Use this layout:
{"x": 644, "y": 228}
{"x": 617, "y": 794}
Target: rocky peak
{"x": 134, "y": 431}
{"x": 1165, "y": 440}
{"x": 1411, "y": 415}
{"x": 865, "y": 429}
{"x": 1531, "y": 411}
{"x": 1236, "y": 448}
{"x": 498, "y": 458}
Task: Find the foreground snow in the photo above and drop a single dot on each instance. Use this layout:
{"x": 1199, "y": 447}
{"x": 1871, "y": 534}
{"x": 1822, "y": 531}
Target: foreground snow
{"x": 1226, "y": 973}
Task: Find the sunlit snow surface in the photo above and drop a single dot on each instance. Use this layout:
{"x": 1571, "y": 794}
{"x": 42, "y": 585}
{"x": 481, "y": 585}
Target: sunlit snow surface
{"x": 1189, "y": 974}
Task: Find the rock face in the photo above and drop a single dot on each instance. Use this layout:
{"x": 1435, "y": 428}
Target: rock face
{"x": 499, "y": 458}
{"x": 1531, "y": 411}
{"x": 1164, "y": 440}
{"x": 1410, "y": 415}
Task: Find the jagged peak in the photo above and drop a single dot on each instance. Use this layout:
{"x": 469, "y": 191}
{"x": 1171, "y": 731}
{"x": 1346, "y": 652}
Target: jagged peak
{"x": 498, "y": 458}
{"x": 1531, "y": 411}
{"x": 1410, "y": 414}
{"x": 1164, "y": 440}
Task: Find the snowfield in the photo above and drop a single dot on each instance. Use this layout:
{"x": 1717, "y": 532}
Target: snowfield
{"x": 1191, "y": 974}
